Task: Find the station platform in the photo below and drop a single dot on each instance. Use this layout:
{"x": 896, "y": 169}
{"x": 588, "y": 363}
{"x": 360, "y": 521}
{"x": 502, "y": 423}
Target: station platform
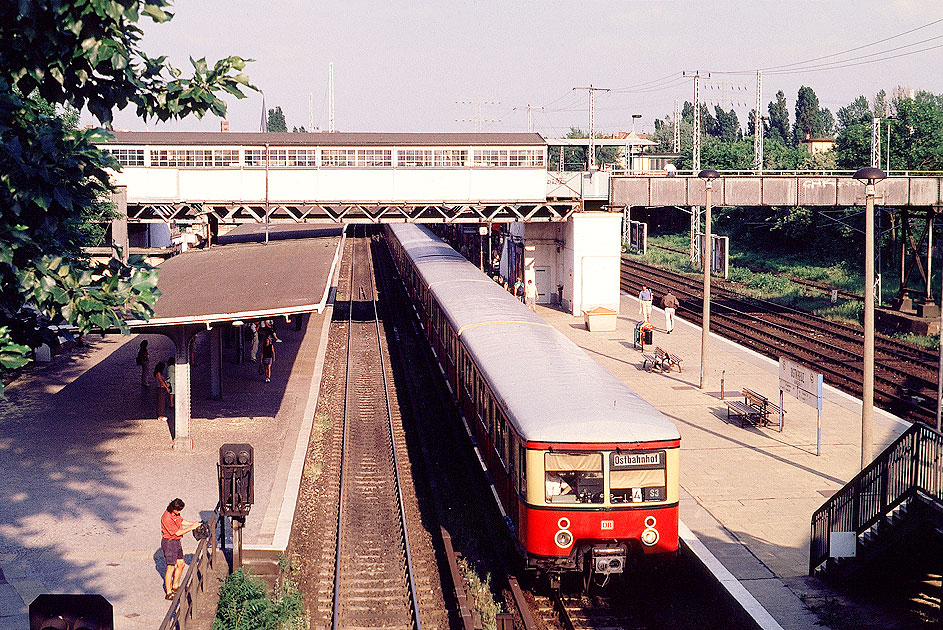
{"x": 88, "y": 470}
{"x": 748, "y": 493}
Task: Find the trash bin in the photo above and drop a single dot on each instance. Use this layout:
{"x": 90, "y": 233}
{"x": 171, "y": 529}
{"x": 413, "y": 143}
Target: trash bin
{"x": 644, "y": 334}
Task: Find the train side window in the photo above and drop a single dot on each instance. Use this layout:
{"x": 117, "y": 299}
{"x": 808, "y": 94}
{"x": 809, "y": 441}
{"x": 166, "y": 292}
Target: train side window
{"x": 573, "y": 477}
{"x": 511, "y": 444}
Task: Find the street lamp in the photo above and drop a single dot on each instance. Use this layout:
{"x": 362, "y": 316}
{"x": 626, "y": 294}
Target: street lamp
{"x": 708, "y": 175}
{"x": 868, "y": 176}
{"x": 634, "y": 118}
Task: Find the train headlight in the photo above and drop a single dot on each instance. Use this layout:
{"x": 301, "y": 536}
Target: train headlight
{"x": 649, "y": 535}
{"x": 563, "y": 539}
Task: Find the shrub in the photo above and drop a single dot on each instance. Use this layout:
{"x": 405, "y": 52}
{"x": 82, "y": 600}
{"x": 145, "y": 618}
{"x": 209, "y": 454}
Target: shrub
{"x": 244, "y": 604}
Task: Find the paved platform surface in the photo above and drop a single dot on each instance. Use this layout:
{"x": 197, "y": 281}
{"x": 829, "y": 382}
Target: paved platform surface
{"x": 747, "y": 493}
{"x": 87, "y": 470}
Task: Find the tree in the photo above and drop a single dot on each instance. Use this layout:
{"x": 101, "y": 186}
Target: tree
{"x": 276, "y": 120}
{"x": 917, "y": 136}
{"x": 779, "y": 119}
{"x": 79, "y": 55}
{"x": 808, "y": 116}
{"x": 728, "y": 125}
{"x": 853, "y": 141}
{"x": 299, "y": 130}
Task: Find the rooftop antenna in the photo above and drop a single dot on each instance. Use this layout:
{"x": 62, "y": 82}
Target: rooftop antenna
{"x": 330, "y": 89}
{"x": 263, "y": 124}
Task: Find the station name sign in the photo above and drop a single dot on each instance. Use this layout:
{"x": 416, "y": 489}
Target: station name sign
{"x": 801, "y": 382}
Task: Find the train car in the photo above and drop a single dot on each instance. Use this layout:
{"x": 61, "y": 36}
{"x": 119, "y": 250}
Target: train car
{"x": 585, "y": 471}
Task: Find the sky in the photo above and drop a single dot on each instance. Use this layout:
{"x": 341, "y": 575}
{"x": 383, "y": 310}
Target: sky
{"x": 416, "y": 65}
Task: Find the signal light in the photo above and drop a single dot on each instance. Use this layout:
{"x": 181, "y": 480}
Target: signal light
{"x": 236, "y": 479}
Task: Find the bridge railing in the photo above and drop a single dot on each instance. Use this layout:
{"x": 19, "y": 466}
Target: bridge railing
{"x": 772, "y": 173}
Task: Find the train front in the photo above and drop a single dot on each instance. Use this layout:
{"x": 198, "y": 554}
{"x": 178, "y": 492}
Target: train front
{"x": 591, "y": 508}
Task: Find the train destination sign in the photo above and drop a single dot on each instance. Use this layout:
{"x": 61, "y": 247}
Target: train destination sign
{"x": 637, "y": 460}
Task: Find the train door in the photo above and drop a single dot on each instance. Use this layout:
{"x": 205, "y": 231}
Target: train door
{"x": 542, "y": 278}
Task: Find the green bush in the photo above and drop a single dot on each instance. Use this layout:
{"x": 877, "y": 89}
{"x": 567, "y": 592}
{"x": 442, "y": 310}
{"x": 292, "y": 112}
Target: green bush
{"x": 244, "y": 604}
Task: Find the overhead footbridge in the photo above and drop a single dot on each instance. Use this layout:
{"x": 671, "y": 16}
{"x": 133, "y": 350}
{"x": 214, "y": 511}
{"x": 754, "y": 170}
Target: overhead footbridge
{"x": 789, "y": 189}
{"x": 187, "y": 177}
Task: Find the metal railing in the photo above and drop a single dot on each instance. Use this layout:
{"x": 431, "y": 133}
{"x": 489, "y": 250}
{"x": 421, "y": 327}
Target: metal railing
{"x": 191, "y": 588}
{"x": 912, "y": 465}
{"x": 771, "y": 173}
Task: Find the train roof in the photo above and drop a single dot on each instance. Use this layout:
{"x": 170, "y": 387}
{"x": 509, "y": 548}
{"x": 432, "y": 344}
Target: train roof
{"x": 552, "y": 390}
{"x": 322, "y": 139}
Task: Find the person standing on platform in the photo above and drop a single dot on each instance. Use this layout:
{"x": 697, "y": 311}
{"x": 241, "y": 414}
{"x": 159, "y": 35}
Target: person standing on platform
{"x": 645, "y": 303}
{"x": 669, "y": 303}
{"x": 253, "y": 330}
{"x": 172, "y": 529}
{"x": 143, "y": 359}
{"x": 267, "y": 355}
{"x": 171, "y": 377}
{"x": 519, "y": 289}
{"x": 530, "y": 295}
{"x": 163, "y": 391}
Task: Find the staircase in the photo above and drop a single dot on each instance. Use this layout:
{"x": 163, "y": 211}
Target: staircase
{"x": 898, "y": 496}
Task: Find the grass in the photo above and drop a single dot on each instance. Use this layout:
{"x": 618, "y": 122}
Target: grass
{"x": 480, "y": 592}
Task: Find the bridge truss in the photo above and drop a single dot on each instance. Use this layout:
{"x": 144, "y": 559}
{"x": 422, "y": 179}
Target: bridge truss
{"x": 185, "y": 212}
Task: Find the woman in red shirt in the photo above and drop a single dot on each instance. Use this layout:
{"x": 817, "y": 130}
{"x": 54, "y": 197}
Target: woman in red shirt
{"x": 172, "y": 529}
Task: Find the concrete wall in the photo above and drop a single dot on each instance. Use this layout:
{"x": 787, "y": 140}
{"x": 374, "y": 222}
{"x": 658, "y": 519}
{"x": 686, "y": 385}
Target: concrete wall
{"x": 773, "y": 191}
{"x": 356, "y": 185}
{"x": 591, "y": 257}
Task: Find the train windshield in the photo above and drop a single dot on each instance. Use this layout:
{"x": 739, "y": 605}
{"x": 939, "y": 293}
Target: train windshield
{"x": 573, "y": 478}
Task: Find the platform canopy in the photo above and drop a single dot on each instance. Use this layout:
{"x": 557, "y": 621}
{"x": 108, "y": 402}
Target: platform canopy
{"x": 244, "y": 278}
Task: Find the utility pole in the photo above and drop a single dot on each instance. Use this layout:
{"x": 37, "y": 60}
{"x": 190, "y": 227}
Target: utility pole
{"x": 530, "y": 117}
{"x": 758, "y": 129}
{"x": 478, "y": 102}
{"x": 677, "y": 127}
{"x": 310, "y": 112}
{"x": 591, "y": 157}
{"x": 330, "y": 90}
{"x": 876, "y": 142}
{"x": 696, "y": 135}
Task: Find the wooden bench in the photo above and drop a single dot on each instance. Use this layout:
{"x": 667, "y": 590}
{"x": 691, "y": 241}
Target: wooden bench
{"x": 755, "y": 408}
{"x": 661, "y": 359}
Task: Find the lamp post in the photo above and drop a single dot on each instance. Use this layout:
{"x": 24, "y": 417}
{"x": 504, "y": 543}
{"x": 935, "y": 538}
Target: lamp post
{"x": 868, "y": 176}
{"x": 708, "y": 175}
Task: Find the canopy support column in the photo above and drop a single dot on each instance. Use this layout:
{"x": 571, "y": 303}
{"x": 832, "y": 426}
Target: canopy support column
{"x": 181, "y": 336}
{"x": 216, "y": 357}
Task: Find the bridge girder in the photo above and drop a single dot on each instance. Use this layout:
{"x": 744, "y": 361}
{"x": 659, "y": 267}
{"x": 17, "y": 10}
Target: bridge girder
{"x": 184, "y": 212}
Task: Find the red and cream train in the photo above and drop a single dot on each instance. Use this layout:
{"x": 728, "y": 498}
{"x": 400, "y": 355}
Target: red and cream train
{"x": 585, "y": 470}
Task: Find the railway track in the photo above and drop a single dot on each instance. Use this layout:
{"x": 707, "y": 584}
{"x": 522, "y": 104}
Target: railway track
{"x": 374, "y": 584}
{"x": 905, "y": 375}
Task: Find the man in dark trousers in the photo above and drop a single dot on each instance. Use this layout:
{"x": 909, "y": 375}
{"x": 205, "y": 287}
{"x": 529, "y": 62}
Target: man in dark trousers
{"x": 669, "y": 303}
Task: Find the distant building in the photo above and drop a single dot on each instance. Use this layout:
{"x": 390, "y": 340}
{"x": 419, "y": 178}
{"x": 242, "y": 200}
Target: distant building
{"x": 818, "y": 145}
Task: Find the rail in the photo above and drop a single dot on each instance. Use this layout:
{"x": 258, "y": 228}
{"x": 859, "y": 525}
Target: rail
{"x": 184, "y": 603}
{"x": 911, "y": 466}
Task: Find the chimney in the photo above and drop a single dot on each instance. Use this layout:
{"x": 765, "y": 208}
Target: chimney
{"x": 224, "y": 126}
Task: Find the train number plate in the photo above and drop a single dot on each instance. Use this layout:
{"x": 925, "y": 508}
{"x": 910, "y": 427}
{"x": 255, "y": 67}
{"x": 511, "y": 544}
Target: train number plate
{"x": 607, "y": 525}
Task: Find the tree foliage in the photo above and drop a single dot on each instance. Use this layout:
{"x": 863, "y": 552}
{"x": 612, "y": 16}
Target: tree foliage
{"x": 779, "y": 119}
{"x": 74, "y": 55}
{"x": 276, "y": 120}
